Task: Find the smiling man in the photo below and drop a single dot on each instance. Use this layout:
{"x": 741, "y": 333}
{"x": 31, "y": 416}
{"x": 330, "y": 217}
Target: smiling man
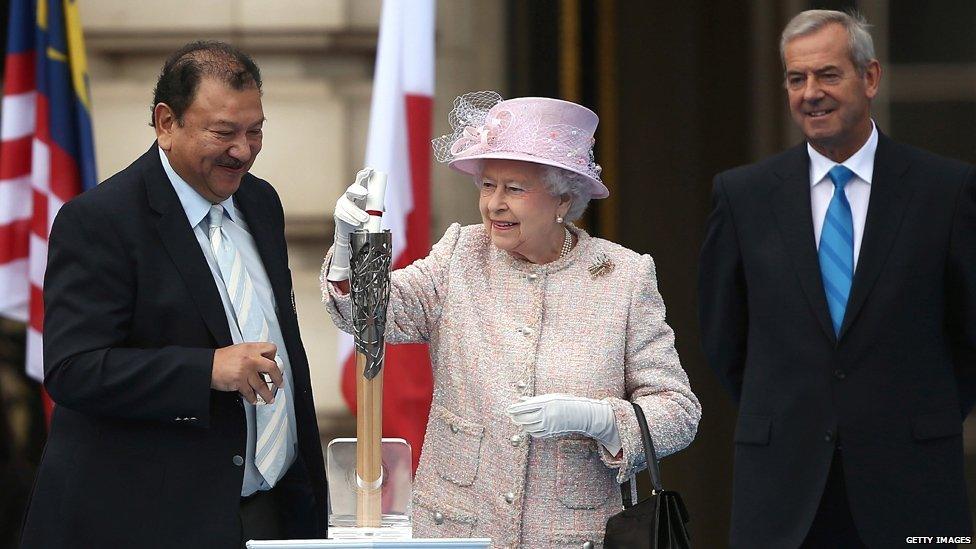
{"x": 184, "y": 412}
{"x": 837, "y": 299}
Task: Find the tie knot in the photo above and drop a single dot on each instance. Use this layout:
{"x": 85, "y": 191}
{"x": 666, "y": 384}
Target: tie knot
{"x": 216, "y": 216}
{"x": 840, "y": 175}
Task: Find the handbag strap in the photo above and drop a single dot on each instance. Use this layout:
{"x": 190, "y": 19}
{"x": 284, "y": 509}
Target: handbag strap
{"x": 653, "y": 469}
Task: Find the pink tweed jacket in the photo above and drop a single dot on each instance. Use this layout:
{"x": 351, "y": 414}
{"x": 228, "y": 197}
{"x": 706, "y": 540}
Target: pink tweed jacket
{"x": 499, "y": 329}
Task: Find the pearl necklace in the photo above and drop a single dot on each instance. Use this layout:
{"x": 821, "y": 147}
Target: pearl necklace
{"x": 567, "y": 243}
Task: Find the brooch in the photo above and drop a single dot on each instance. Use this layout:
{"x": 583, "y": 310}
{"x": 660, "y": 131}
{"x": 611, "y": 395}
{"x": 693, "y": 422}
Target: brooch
{"x": 601, "y": 265}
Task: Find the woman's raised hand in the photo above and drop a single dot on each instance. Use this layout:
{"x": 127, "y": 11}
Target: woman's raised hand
{"x": 349, "y": 216}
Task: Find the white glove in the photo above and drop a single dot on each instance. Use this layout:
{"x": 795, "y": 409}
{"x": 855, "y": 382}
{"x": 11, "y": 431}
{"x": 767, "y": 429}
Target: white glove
{"x": 558, "y": 414}
{"x": 348, "y": 216}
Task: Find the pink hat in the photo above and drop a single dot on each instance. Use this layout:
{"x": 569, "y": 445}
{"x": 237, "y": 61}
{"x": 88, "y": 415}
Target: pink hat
{"x": 533, "y": 129}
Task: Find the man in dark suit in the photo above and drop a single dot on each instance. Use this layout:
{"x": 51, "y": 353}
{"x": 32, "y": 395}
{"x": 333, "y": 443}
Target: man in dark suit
{"x": 838, "y": 305}
{"x": 151, "y": 354}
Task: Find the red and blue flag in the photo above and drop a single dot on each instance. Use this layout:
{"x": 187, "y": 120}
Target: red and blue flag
{"x": 46, "y": 151}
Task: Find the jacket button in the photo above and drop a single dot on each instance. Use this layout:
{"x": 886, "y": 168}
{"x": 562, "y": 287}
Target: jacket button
{"x": 829, "y": 436}
{"x": 533, "y": 276}
{"x": 839, "y": 374}
{"x": 454, "y": 428}
{"x": 516, "y": 440}
{"x": 587, "y": 545}
{"x": 509, "y": 497}
{"x": 438, "y": 517}
{"x": 521, "y": 385}
{"x": 238, "y": 461}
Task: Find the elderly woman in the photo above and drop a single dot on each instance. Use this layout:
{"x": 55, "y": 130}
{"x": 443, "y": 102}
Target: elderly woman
{"x": 540, "y": 337}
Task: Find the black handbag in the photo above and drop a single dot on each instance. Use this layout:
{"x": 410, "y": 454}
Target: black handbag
{"x": 658, "y": 522}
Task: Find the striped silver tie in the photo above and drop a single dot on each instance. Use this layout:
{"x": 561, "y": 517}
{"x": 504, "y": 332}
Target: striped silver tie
{"x": 272, "y": 419}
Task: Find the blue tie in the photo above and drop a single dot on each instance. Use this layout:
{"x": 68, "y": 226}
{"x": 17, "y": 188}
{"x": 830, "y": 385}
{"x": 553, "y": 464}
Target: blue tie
{"x": 837, "y": 248}
{"x": 271, "y": 451}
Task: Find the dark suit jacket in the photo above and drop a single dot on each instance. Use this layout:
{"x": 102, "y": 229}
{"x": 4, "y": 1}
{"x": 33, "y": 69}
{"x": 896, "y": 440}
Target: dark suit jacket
{"x": 141, "y": 452}
{"x": 891, "y": 390}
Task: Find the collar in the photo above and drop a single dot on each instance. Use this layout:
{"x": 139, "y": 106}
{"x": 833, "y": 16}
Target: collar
{"x": 578, "y": 251}
{"x": 861, "y": 162}
{"x": 195, "y": 205}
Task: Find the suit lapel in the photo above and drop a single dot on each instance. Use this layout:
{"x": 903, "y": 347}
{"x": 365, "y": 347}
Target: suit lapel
{"x": 791, "y": 204}
{"x": 886, "y": 208}
{"x": 184, "y": 249}
{"x": 265, "y": 232}
{"x": 267, "y": 229}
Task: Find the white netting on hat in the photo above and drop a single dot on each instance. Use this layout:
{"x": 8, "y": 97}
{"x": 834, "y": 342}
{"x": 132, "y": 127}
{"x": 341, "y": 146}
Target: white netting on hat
{"x": 513, "y": 130}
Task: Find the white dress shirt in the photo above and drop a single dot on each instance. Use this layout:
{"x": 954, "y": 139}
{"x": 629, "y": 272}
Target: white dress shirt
{"x": 858, "y": 189}
{"x": 197, "y": 208}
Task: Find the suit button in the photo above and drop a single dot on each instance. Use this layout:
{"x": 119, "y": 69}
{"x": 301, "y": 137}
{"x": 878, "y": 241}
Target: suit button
{"x": 829, "y": 436}
{"x": 438, "y": 518}
{"x": 587, "y": 545}
{"x": 516, "y": 440}
{"x": 238, "y": 461}
{"x": 839, "y": 374}
{"x": 509, "y": 497}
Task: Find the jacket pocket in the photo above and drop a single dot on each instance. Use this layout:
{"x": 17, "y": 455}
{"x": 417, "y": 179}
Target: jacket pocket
{"x": 459, "y": 440}
{"x": 582, "y": 480}
{"x": 937, "y": 425}
{"x": 570, "y": 538}
{"x": 432, "y": 519}
{"x": 756, "y": 430}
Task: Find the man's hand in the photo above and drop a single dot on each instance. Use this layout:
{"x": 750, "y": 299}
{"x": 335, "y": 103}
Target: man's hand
{"x": 240, "y": 368}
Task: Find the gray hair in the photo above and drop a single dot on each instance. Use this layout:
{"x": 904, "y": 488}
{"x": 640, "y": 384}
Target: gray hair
{"x": 860, "y": 45}
{"x": 558, "y": 182}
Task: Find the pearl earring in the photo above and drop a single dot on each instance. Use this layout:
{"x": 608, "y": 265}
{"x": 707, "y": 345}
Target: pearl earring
{"x": 559, "y": 219}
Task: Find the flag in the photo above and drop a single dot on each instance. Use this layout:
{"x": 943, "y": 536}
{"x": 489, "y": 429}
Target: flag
{"x": 398, "y": 143}
{"x": 46, "y": 151}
